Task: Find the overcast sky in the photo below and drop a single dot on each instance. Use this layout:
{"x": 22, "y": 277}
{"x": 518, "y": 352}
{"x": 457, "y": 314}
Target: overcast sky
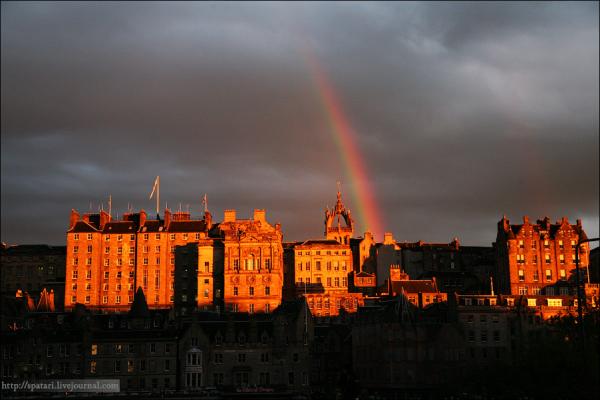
{"x": 463, "y": 112}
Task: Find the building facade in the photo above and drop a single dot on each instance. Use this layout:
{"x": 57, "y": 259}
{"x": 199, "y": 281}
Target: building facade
{"x": 108, "y": 259}
{"x": 539, "y": 258}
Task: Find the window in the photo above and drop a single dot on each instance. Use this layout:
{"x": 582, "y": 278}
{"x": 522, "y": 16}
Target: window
{"x": 563, "y": 274}
{"x": 564, "y": 291}
{"x": 74, "y": 273}
{"x": 328, "y": 265}
{"x": 522, "y": 290}
{"x": 92, "y": 367}
{"x": 546, "y": 244}
{"x": 88, "y": 261}
{"x": 533, "y": 244}
{"x": 328, "y": 282}
{"x": 534, "y": 259}
{"x": 119, "y": 250}
{"x": 152, "y": 347}
{"x": 573, "y": 244}
{"x": 129, "y": 366}
{"x": 172, "y": 236}
{"x": 145, "y": 261}
{"x": 89, "y": 236}
{"x": 75, "y": 249}
{"x": 484, "y": 335}
{"x": 554, "y": 302}
{"x": 251, "y": 291}
{"x": 536, "y": 276}
{"x": 104, "y": 299}
{"x": 561, "y": 258}
{"x": 299, "y": 266}
{"x": 118, "y": 299}
{"x": 185, "y": 236}
{"x": 76, "y": 236}
{"x": 318, "y": 265}
{"x": 235, "y": 290}
{"x": 157, "y": 249}
{"x": 241, "y": 357}
{"x": 267, "y": 290}
{"x": 336, "y": 282}
{"x": 308, "y": 265}
{"x": 251, "y": 308}
{"x": 521, "y": 244}
{"x": 120, "y": 238}
{"x": 119, "y": 274}
{"x": 107, "y": 238}
{"x": 76, "y": 261}
{"x": 268, "y": 263}
{"x": 88, "y": 286}
{"x": 521, "y": 275}
{"x": 561, "y": 244}
{"x": 547, "y": 258}
{"x": 88, "y": 274}
{"x": 106, "y": 262}
{"x": 267, "y": 308}
{"x": 118, "y": 366}
{"x": 548, "y": 274}
{"x": 520, "y": 259}
{"x": 531, "y": 302}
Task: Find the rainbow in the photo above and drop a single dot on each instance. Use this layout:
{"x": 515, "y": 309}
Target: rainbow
{"x": 363, "y": 195}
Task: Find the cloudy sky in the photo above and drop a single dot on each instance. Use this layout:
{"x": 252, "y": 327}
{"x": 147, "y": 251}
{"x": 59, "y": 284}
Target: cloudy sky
{"x": 462, "y": 112}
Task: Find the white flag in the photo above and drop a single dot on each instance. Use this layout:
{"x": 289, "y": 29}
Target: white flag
{"x": 154, "y": 187}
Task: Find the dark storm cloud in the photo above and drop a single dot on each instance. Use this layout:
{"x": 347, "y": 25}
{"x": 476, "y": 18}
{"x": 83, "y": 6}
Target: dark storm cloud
{"x": 463, "y": 111}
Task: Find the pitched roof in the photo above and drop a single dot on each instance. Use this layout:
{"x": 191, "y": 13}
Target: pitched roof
{"x": 187, "y": 226}
{"x": 152, "y": 225}
{"x": 82, "y": 226}
{"x": 119, "y": 227}
{"x": 414, "y": 286}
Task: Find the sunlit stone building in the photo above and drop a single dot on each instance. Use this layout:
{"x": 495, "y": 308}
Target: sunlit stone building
{"x": 108, "y": 259}
{"x": 538, "y": 258}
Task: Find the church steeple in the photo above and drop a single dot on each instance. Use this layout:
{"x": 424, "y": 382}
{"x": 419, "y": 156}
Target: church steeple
{"x": 339, "y": 233}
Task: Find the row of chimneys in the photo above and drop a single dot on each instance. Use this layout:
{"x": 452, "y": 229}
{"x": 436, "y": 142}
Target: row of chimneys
{"x": 140, "y": 218}
{"x": 542, "y": 222}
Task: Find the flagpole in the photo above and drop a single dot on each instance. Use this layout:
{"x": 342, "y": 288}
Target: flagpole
{"x": 158, "y": 195}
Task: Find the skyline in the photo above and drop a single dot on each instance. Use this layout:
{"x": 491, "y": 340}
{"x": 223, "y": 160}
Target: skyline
{"x": 460, "y": 112}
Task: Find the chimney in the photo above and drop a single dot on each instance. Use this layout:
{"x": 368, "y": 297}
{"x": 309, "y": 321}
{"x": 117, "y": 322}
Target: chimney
{"x": 229, "y": 216}
{"x": 388, "y": 238}
{"x": 143, "y": 217}
{"x": 259, "y": 215}
{"x": 167, "y": 218}
{"x": 104, "y": 218}
{"x": 74, "y": 218}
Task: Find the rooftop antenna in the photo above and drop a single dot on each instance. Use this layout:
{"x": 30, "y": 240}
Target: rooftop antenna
{"x": 90, "y": 206}
{"x": 492, "y": 285}
{"x": 205, "y": 202}
{"x": 179, "y": 206}
{"x": 156, "y": 188}
{"x": 110, "y": 206}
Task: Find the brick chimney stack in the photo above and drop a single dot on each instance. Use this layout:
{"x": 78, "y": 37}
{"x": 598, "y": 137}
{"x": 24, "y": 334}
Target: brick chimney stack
{"x": 229, "y": 216}
{"x": 74, "y": 218}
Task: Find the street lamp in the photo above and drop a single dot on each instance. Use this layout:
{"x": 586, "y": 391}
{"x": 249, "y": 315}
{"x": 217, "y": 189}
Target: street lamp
{"x": 579, "y": 294}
